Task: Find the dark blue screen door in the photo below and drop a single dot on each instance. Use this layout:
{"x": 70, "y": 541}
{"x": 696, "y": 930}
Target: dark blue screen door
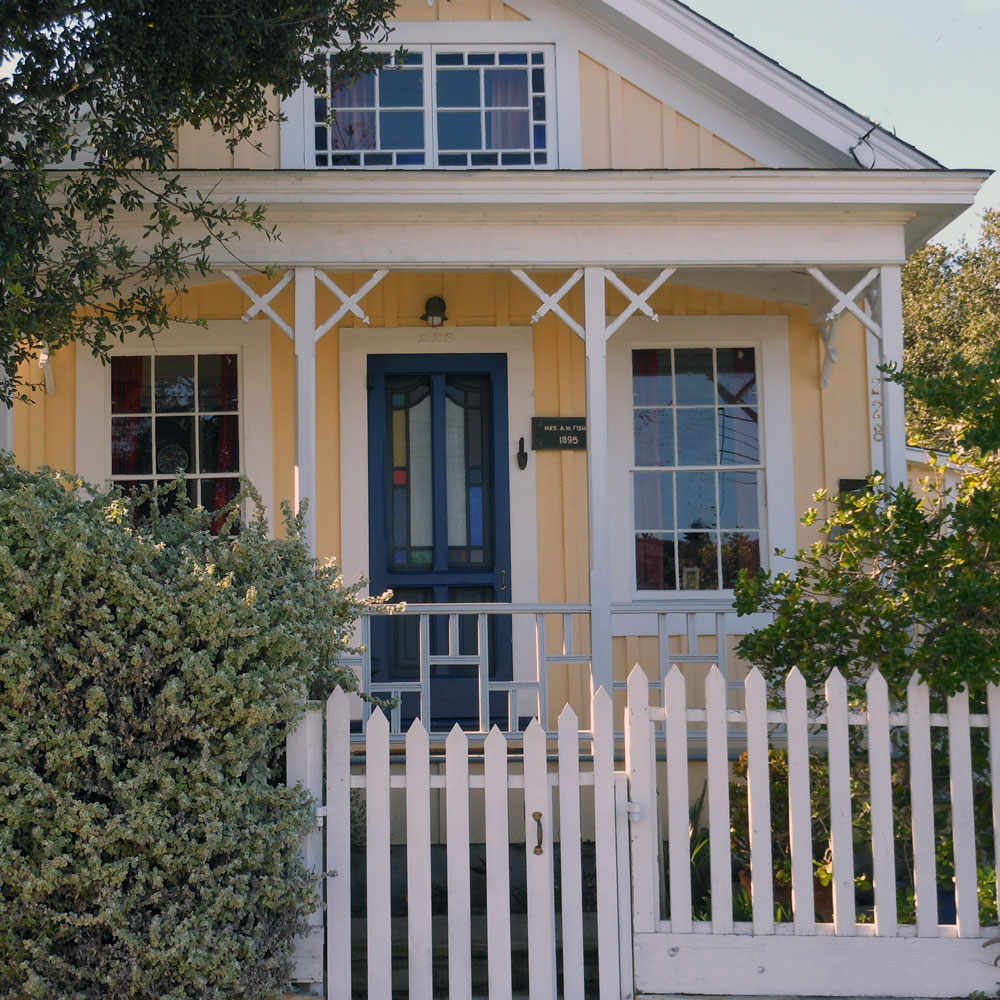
{"x": 439, "y": 520}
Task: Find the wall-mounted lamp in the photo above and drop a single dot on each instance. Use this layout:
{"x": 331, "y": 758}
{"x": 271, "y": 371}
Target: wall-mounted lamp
{"x": 434, "y": 309}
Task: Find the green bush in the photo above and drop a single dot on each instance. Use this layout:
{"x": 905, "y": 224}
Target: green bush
{"x": 149, "y": 674}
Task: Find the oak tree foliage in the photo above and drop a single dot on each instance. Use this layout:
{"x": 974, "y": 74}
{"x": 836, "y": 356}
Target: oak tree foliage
{"x": 91, "y": 97}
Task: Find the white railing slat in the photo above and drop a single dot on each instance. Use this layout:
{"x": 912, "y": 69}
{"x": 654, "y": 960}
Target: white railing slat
{"x": 678, "y": 809}
{"x": 922, "y": 808}
{"x": 841, "y": 826}
{"x": 377, "y": 836}
{"x": 963, "y": 829}
{"x": 459, "y": 895}
{"x": 622, "y": 930}
{"x": 799, "y": 807}
{"x": 880, "y": 789}
{"x": 718, "y": 802}
{"x": 993, "y": 704}
{"x": 759, "y": 803}
{"x": 570, "y": 865}
{"x": 338, "y": 846}
{"x": 643, "y": 825}
{"x": 497, "y": 867}
{"x": 605, "y": 835}
{"x": 420, "y": 947}
{"x": 538, "y": 864}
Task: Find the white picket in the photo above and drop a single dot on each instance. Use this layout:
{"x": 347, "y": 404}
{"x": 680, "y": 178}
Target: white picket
{"x": 759, "y": 804}
{"x": 459, "y": 895}
{"x": 678, "y": 812}
{"x": 623, "y": 927}
{"x": 497, "y": 867}
{"x": 993, "y": 705}
{"x": 799, "y": 811}
{"x": 922, "y": 808}
{"x": 880, "y": 798}
{"x": 963, "y": 830}
{"x": 643, "y": 828}
{"x": 420, "y": 948}
{"x": 538, "y": 866}
{"x": 605, "y": 833}
{"x": 841, "y": 826}
{"x": 570, "y": 864}
{"x": 377, "y": 836}
{"x": 718, "y": 802}
{"x": 338, "y": 846}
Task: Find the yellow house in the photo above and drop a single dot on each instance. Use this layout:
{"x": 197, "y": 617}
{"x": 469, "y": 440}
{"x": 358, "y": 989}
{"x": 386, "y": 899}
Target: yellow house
{"x": 574, "y": 307}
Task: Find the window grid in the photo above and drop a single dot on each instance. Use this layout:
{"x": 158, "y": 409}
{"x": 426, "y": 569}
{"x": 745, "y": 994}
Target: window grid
{"x": 736, "y": 456}
{"x": 210, "y": 487}
{"x": 362, "y": 139}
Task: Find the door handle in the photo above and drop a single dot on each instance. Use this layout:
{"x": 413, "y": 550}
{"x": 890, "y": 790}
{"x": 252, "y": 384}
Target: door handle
{"x": 503, "y": 579}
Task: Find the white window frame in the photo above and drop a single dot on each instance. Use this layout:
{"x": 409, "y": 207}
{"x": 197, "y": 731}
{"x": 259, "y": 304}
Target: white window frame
{"x": 768, "y": 335}
{"x": 297, "y": 138}
{"x": 251, "y": 342}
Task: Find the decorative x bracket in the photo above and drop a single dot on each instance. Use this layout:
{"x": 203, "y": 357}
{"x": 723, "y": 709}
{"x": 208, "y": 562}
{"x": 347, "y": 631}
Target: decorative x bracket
{"x": 349, "y": 303}
{"x": 550, "y": 303}
{"x": 843, "y": 302}
{"x": 262, "y": 303}
{"x": 637, "y": 302}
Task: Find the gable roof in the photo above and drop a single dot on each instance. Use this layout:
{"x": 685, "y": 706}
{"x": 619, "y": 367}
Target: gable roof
{"x": 713, "y": 75}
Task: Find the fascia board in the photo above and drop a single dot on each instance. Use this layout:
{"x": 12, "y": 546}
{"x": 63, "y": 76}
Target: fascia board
{"x": 710, "y": 52}
{"x": 951, "y": 190}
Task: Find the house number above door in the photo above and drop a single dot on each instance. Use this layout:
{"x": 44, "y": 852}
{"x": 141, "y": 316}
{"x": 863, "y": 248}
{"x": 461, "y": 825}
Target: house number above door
{"x": 559, "y": 433}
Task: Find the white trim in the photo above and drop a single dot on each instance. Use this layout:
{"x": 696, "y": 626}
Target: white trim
{"x": 517, "y": 344}
{"x": 292, "y": 130}
{"x": 6, "y": 428}
{"x": 251, "y": 340}
{"x": 769, "y": 335}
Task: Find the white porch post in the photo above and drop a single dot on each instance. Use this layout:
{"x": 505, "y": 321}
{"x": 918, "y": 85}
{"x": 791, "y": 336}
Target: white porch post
{"x": 890, "y": 299}
{"x": 305, "y": 396}
{"x": 595, "y": 323}
{"x": 6, "y": 420}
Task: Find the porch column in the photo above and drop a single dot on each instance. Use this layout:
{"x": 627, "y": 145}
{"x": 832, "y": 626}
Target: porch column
{"x": 890, "y": 299}
{"x": 6, "y": 419}
{"x": 305, "y": 397}
{"x": 595, "y": 324}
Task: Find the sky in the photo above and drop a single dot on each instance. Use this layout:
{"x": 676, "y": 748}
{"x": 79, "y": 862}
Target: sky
{"x": 927, "y": 69}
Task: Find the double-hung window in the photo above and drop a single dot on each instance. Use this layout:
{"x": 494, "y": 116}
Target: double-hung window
{"x": 700, "y": 453}
{"x": 441, "y": 106}
{"x": 697, "y": 477}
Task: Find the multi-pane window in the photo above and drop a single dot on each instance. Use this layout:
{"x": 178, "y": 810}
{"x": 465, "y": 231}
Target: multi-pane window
{"x": 697, "y": 477}
{"x": 440, "y": 107}
{"x": 173, "y": 414}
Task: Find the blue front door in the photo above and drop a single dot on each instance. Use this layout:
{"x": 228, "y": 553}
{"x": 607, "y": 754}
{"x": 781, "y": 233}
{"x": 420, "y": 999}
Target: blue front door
{"x": 439, "y": 519}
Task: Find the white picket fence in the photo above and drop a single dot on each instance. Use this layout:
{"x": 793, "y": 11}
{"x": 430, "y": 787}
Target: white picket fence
{"x": 650, "y": 935}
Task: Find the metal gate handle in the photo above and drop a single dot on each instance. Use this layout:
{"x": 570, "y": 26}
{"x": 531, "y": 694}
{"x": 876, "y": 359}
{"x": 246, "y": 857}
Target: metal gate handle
{"x": 537, "y": 817}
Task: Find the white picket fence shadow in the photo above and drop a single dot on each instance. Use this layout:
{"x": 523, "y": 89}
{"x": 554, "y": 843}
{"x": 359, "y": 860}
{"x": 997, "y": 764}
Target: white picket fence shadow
{"x": 651, "y": 935}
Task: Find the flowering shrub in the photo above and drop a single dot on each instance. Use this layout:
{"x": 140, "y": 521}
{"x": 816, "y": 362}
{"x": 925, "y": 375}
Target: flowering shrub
{"x": 149, "y": 674}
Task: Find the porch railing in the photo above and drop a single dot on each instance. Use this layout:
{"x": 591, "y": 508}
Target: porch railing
{"x": 542, "y": 635}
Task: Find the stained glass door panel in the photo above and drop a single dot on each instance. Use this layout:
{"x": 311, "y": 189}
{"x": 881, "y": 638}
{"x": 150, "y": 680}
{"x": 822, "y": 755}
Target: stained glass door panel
{"x": 439, "y": 519}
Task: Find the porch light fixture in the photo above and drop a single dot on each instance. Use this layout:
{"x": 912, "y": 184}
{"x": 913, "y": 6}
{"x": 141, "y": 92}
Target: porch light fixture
{"x": 434, "y": 309}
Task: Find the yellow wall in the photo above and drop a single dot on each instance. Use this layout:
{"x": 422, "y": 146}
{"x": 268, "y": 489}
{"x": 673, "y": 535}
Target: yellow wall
{"x": 623, "y": 127}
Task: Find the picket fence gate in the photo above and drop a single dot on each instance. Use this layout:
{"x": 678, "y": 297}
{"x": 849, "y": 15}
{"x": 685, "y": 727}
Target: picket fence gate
{"x": 650, "y": 939}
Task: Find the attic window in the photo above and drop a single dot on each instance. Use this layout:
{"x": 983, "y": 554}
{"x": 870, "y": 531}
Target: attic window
{"x": 441, "y": 106}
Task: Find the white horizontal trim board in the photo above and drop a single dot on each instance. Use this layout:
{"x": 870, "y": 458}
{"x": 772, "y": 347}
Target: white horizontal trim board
{"x": 751, "y": 965}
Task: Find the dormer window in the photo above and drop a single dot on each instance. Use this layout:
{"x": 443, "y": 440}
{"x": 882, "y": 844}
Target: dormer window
{"x": 441, "y": 106}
